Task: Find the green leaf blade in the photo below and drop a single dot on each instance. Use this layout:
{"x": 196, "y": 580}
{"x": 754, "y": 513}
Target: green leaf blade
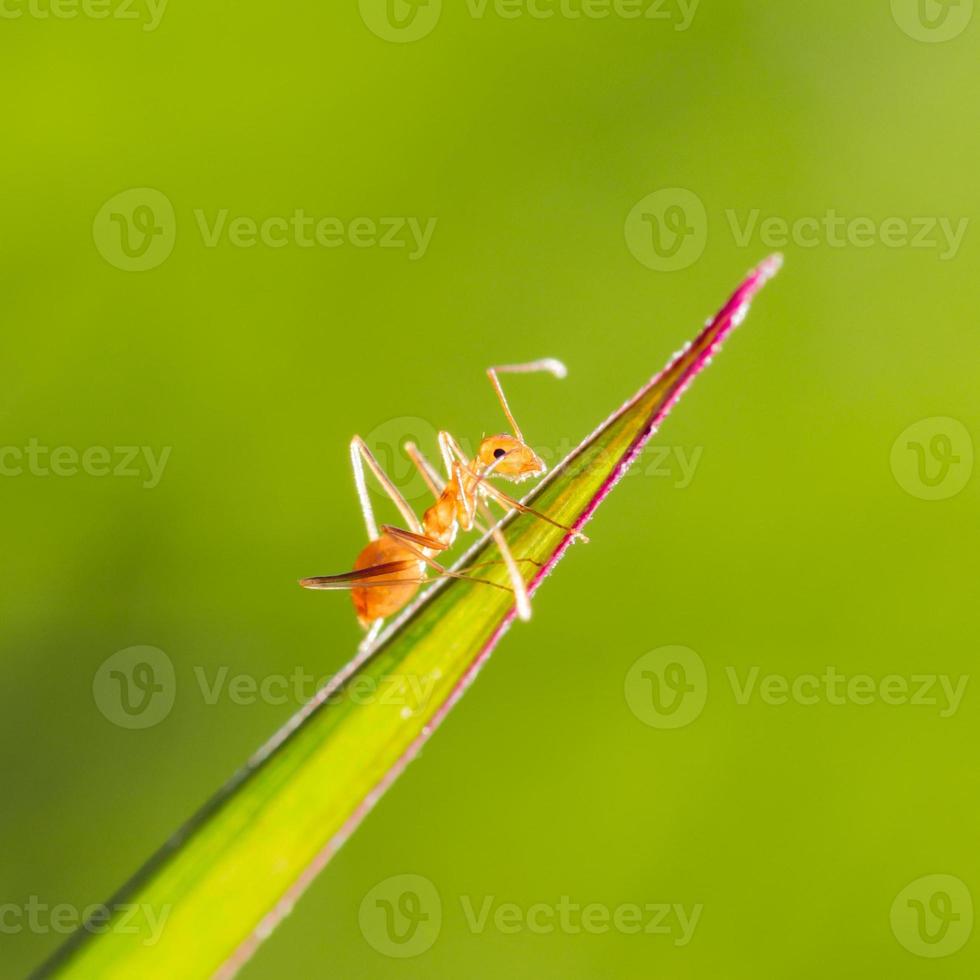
{"x": 236, "y": 869}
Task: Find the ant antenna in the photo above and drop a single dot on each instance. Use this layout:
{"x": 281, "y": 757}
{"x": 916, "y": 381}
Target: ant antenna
{"x": 548, "y": 364}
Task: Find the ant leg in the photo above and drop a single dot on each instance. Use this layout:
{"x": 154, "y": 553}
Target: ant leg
{"x": 504, "y": 500}
{"x": 521, "y": 599}
{"x": 336, "y": 583}
{"x": 467, "y": 500}
{"x": 417, "y": 542}
{"x": 488, "y": 564}
{"x": 355, "y": 579}
{"x": 413, "y": 539}
{"x": 372, "y": 634}
{"x": 451, "y": 448}
{"x": 359, "y": 455}
{"x": 451, "y": 451}
{"x": 548, "y": 364}
{"x": 418, "y": 545}
{"x": 379, "y": 576}
{"x": 457, "y": 464}
{"x": 432, "y": 477}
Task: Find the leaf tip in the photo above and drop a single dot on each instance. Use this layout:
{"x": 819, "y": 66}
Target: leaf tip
{"x": 769, "y": 267}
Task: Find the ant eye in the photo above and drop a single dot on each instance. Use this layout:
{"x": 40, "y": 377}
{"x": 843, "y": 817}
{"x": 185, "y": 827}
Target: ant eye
{"x": 499, "y": 453}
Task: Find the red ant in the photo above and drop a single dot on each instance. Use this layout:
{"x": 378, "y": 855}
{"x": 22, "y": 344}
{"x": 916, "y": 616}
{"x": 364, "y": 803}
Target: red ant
{"x": 393, "y": 566}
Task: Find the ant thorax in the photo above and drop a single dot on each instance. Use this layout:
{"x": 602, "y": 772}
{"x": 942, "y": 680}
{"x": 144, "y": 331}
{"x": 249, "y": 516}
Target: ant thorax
{"x": 440, "y": 521}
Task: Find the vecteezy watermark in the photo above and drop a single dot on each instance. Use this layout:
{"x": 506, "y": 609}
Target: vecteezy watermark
{"x": 941, "y": 691}
{"x": 833, "y": 230}
{"x": 136, "y": 231}
{"x": 126, "y": 462}
{"x": 136, "y": 687}
{"x": 304, "y": 231}
{"x": 410, "y": 692}
{"x": 402, "y": 916}
{"x": 671, "y": 919}
{"x": 403, "y": 21}
{"x": 388, "y": 441}
{"x": 128, "y": 919}
{"x": 668, "y": 688}
{"x": 676, "y": 464}
{"x": 148, "y": 13}
{"x": 668, "y": 230}
{"x": 933, "y": 458}
{"x": 932, "y": 21}
{"x": 678, "y": 13}
{"x": 933, "y": 916}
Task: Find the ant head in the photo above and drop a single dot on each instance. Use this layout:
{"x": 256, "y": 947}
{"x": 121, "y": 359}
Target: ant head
{"x": 510, "y": 458}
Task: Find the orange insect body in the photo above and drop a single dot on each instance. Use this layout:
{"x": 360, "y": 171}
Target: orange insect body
{"x": 454, "y": 509}
{"x": 392, "y": 567}
{"x": 381, "y": 601}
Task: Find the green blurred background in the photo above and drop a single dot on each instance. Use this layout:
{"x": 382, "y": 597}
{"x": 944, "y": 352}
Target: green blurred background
{"x": 799, "y": 541}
